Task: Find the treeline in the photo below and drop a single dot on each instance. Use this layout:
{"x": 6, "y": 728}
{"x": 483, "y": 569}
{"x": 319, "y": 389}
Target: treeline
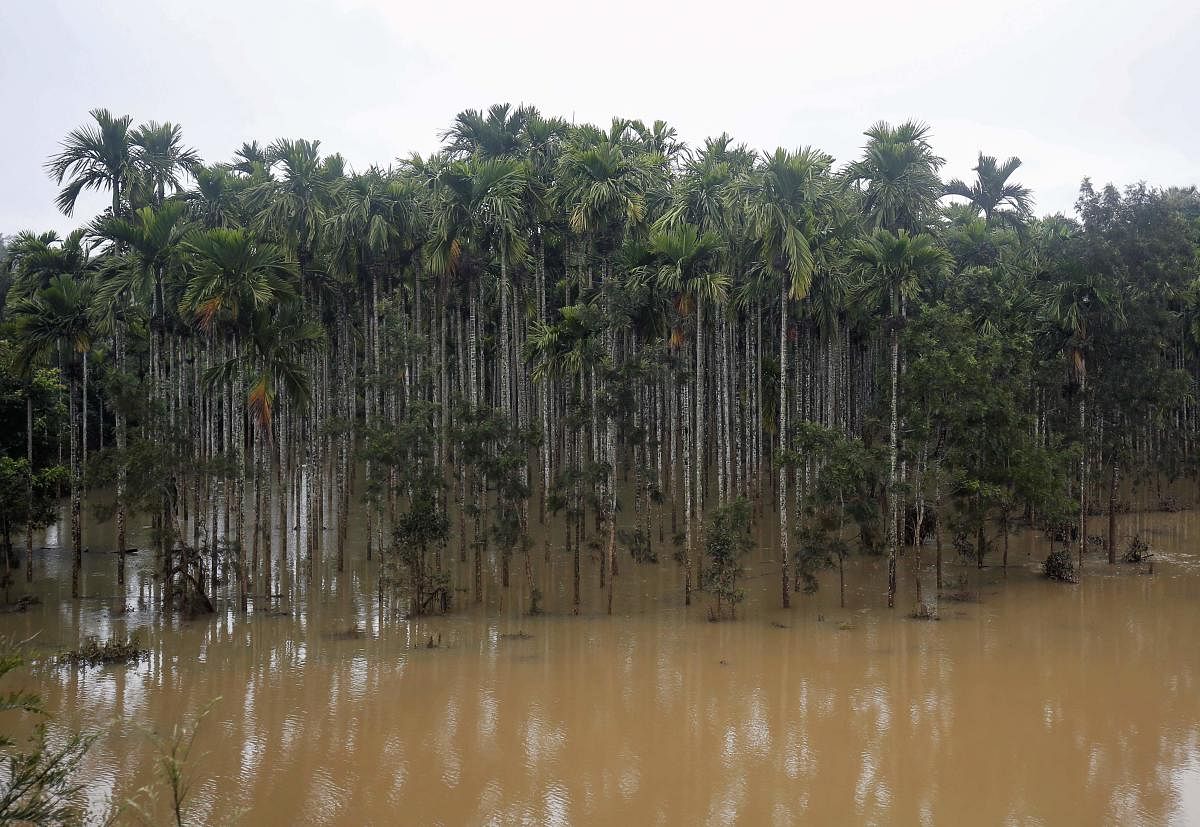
{"x": 647, "y": 344}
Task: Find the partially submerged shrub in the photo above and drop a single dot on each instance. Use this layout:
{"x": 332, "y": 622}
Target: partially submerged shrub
{"x": 924, "y": 611}
{"x": 115, "y": 650}
{"x": 638, "y": 543}
{"x": 1060, "y": 567}
{"x": 1138, "y": 550}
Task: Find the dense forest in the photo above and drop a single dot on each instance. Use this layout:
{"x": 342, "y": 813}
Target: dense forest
{"x": 653, "y": 348}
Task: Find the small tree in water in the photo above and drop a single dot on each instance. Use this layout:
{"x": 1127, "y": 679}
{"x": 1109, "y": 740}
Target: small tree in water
{"x": 726, "y": 542}
{"x": 402, "y": 459}
{"x": 423, "y": 525}
{"x": 845, "y": 480}
{"x": 497, "y": 451}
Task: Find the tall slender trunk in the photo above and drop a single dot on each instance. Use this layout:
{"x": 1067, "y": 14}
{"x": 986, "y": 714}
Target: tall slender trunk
{"x": 76, "y": 485}
{"x": 1112, "y": 513}
{"x": 83, "y": 430}
{"x": 937, "y": 531}
{"x": 239, "y": 488}
{"x": 121, "y": 466}
{"x": 1082, "y": 480}
{"x": 785, "y": 582}
{"x": 893, "y": 483}
{"x": 611, "y": 455}
{"x": 29, "y": 488}
{"x": 504, "y": 374}
{"x": 685, "y": 422}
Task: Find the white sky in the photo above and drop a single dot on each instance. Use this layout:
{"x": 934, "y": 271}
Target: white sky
{"x": 1082, "y": 87}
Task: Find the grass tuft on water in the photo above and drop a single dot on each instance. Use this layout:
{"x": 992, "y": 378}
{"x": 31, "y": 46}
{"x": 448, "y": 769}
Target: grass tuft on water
{"x": 115, "y": 650}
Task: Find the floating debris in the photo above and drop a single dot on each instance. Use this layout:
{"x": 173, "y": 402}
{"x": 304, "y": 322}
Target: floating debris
{"x": 351, "y": 633}
{"x": 112, "y": 651}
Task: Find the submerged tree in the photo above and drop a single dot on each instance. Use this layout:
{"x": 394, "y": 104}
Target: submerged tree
{"x": 727, "y": 540}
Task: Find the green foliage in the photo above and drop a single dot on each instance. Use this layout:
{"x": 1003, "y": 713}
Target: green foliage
{"x": 175, "y": 774}
{"x": 845, "y": 487}
{"x": 92, "y": 652}
{"x": 1138, "y": 550}
{"x": 37, "y": 783}
{"x": 45, "y": 388}
{"x": 1059, "y": 566}
{"x": 727, "y": 540}
{"x": 16, "y": 509}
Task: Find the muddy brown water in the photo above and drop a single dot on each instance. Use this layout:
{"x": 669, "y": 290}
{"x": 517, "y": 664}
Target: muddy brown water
{"x": 1033, "y": 703}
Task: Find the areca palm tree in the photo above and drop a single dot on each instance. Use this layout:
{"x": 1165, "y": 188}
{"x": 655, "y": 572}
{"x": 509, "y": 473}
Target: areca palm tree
{"x": 293, "y": 206}
{"x": 893, "y": 265}
{"x": 689, "y": 274}
{"x": 784, "y": 199}
{"x": 34, "y": 259}
{"x": 58, "y": 318}
{"x": 162, "y": 159}
{"x": 233, "y": 276}
{"x": 498, "y": 134}
{"x": 499, "y": 201}
{"x": 898, "y": 177}
{"x": 216, "y": 200}
{"x": 1077, "y": 303}
{"x": 281, "y": 343}
{"x": 146, "y": 251}
{"x": 95, "y": 157}
{"x": 992, "y": 194}
{"x": 603, "y": 188}
{"x": 565, "y": 350}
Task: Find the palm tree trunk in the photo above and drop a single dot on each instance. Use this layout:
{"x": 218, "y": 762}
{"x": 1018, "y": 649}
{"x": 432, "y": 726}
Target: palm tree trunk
{"x": 1112, "y": 513}
{"x": 76, "y": 485}
{"x": 698, "y": 466}
{"x": 504, "y": 374}
{"x": 121, "y": 466}
{"x": 685, "y": 424}
{"x": 893, "y": 438}
{"x": 785, "y": 582}
{"x": 239, "y": 488}
{"x": 611, "y": 451}
{"x": 29, "y": 488}
{"x": 83, "y": 443}
{"x": 1082, "y": 481}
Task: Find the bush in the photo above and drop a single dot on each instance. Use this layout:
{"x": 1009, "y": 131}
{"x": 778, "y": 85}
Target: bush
{"x": 1138, "y": 550}
{"x": 1059, "y": 566}
{"x": 1170, "y": 504}
{"x": 726, "y": 542}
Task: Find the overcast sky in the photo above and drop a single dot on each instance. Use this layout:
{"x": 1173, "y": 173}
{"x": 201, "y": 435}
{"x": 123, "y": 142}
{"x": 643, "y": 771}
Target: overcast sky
{"x": 1087, "y": 87}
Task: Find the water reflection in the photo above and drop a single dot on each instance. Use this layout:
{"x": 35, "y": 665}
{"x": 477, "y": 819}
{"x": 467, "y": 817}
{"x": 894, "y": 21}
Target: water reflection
{"x": 1036, "y": 703}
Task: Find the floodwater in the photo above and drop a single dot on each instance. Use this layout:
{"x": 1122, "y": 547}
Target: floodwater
{"x": 1033, "y": 703}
